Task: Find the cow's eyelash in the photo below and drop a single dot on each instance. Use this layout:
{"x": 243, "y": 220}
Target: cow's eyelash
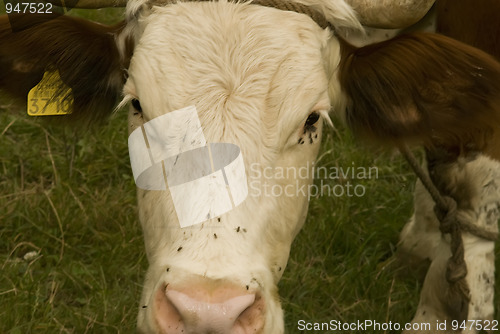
{"x": 126, "y": 99}
{"x": 326, "y": 117}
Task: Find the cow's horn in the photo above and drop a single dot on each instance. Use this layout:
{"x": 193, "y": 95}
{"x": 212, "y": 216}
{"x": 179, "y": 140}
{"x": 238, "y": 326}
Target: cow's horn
{"x": 390, "y": 14}
{"x": 89, "y": 4}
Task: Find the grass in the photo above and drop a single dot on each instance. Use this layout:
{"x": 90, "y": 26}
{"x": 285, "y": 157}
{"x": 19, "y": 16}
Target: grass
{"x": 338, "y": 268}
{"x": 71, "y": 250}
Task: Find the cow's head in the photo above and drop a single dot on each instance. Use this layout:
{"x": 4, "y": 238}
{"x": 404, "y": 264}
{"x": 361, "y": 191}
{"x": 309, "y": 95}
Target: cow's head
{"x": 260, "y": 78}
{"x": 257, "y": 78}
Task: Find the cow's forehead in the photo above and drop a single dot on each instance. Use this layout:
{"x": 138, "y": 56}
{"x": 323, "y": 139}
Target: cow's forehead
{"x": 203, "y": 37}
{"x": 216, "y": 55}
{"x": 338, "y": 13}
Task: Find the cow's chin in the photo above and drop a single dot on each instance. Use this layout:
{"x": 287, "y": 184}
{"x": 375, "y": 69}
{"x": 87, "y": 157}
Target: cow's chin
{"x": 178, "y": 301}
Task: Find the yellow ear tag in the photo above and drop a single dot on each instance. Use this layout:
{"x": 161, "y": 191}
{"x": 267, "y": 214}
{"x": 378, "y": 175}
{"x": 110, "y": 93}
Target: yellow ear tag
{"x": 44, "y": 100}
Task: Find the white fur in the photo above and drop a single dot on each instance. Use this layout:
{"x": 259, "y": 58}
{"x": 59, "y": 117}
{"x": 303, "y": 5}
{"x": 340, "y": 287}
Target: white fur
{"x": 422, "y": 239}
{"x": 254, "y": 74}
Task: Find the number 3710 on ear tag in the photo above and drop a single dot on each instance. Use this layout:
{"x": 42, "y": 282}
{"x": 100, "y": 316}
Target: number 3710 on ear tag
{"x": 50, "y": 97}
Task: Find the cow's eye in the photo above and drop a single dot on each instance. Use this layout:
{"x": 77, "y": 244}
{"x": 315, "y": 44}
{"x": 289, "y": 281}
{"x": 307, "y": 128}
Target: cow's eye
{"x": 312, "y": 119}
{"x": 137, "y": 105}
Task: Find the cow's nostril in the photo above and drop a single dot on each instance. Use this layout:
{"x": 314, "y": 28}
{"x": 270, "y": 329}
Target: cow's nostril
{"x": 197, "y": 311}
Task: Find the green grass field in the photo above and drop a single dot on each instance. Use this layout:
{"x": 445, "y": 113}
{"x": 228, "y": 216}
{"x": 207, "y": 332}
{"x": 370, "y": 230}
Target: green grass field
{"x": 71, "y": 249}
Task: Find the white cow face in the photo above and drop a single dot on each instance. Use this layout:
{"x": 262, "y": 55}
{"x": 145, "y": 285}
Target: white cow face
{"x": 257, "y": 79}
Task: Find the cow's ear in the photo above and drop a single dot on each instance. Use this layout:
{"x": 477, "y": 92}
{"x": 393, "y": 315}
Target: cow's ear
{"x": 421, "y": 87}
{"x": 84, "y": 53}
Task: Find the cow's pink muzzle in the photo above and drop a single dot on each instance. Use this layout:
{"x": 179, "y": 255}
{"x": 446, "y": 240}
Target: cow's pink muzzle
{"x": 208, "y": 308}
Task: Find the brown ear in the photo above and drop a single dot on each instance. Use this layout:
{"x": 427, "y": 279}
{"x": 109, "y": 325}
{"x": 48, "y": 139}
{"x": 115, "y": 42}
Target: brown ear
{"x": 84, "y": 52}
{"x": 421, "y": 87}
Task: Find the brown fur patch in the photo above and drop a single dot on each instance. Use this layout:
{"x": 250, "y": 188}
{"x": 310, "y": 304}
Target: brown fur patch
{"x": 84, "y": 52}
{"x": 473, "y": 22}
{"x": 421, "y": 88}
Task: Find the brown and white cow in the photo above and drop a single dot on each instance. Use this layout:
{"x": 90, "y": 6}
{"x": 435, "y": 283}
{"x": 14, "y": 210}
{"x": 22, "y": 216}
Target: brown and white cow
{"x": 469, "y": 173}
{"x": 460, "y": 157}
{"x": 261, "y": 78}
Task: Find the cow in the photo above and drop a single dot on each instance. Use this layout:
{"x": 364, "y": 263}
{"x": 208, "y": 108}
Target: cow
{"x": 263, "y": 77}
{"x": 468, "y": 175}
